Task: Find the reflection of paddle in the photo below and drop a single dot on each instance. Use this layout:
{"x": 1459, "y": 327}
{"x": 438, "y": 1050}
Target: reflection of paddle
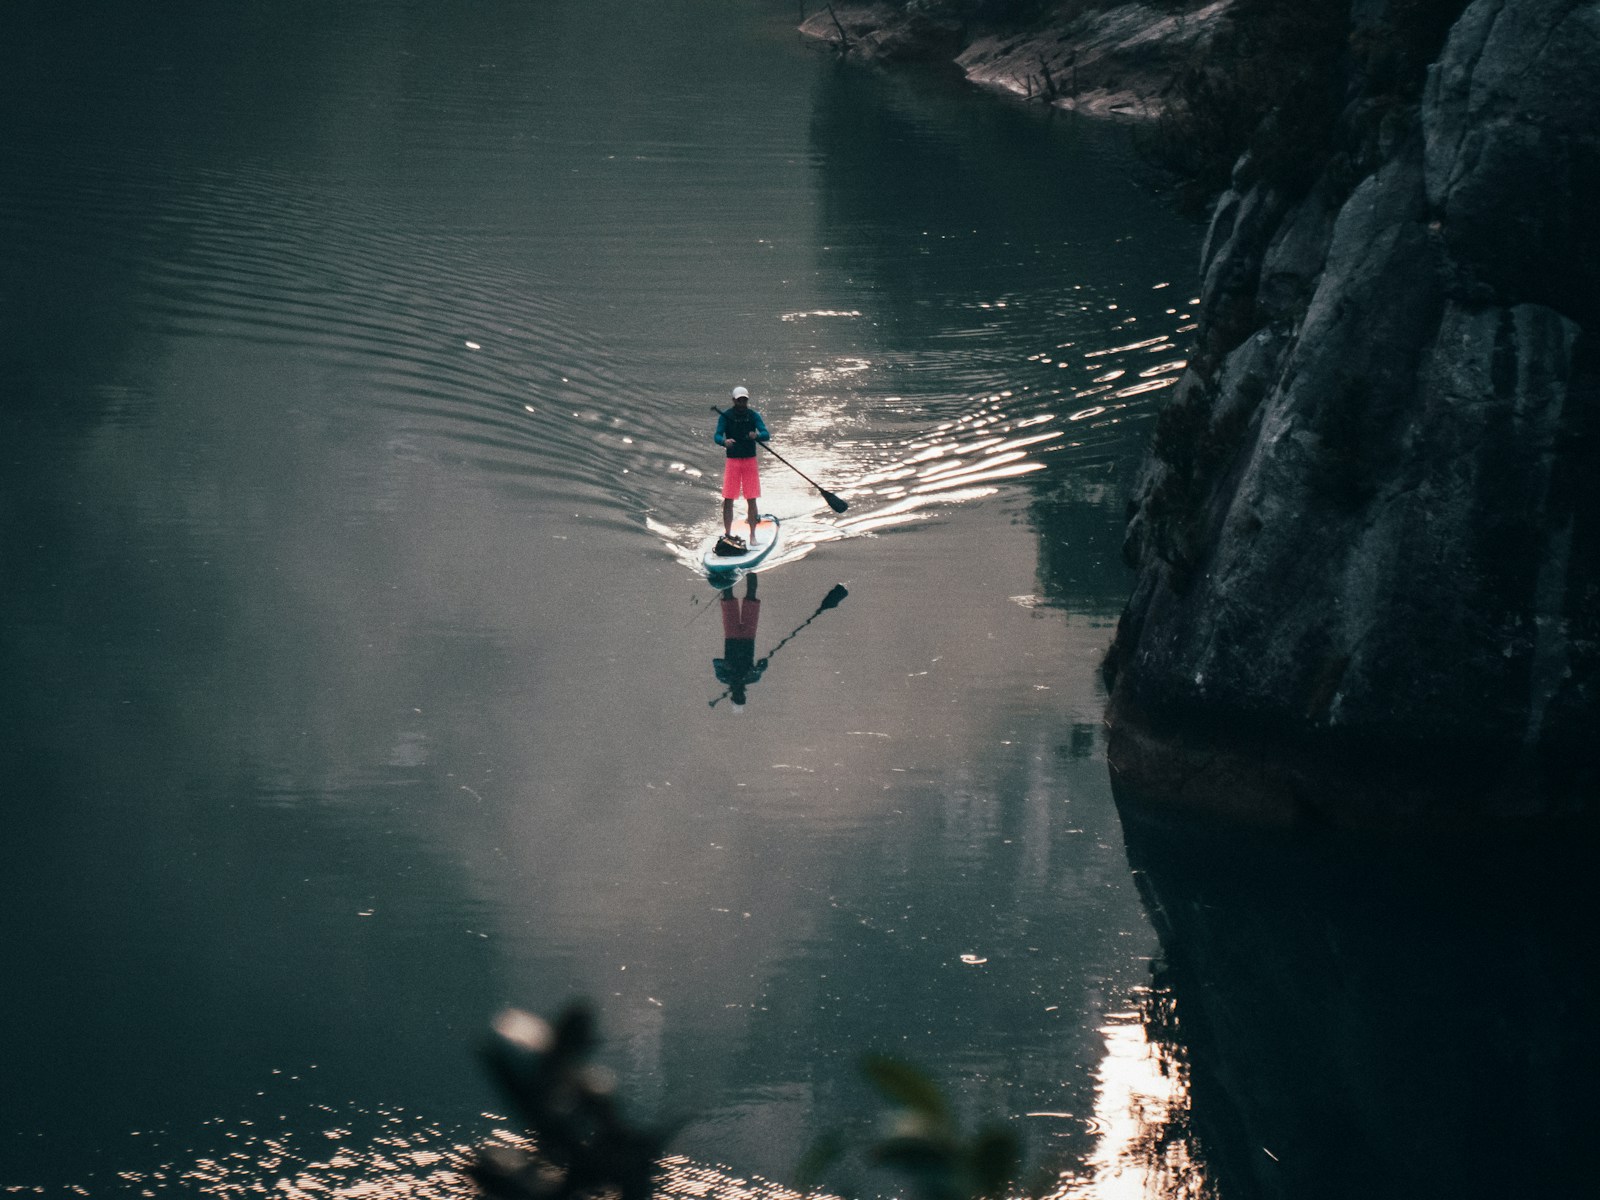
{"x": 835, "y": 594}
{"x": 834, "y": 502}
{"x": 704, "y": 609}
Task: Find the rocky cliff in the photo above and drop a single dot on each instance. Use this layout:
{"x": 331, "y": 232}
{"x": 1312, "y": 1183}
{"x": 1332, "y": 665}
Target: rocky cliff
{"x": 1103, "y": 56}
{"x": 1368, "y": 586}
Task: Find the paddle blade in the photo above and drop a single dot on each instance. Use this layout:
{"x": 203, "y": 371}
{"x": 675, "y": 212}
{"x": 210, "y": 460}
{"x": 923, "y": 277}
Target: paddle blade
{"x": 837, "y": 593}
{"x": 834, "y": 502}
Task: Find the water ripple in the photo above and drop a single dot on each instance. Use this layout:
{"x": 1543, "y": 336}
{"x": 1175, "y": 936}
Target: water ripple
{"x": 479, "y": 359}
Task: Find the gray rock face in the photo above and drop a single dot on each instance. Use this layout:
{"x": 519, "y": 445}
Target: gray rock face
{"x": 1112, "y": 58}
{"x": 884, "y": 33}
{"x": 1511, "y": 164}
{"x": 1367, "y": 535}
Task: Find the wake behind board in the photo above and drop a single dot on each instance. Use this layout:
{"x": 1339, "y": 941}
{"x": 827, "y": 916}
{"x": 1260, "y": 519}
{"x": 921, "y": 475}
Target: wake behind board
{"x": 761, "y": 544}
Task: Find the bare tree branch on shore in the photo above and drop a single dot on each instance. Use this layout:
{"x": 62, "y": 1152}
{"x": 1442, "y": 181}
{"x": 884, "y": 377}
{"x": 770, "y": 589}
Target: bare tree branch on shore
{"x": 844, "y": 38}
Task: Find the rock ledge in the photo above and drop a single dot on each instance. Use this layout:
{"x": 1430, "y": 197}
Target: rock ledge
{"x": 1117, "y": 61}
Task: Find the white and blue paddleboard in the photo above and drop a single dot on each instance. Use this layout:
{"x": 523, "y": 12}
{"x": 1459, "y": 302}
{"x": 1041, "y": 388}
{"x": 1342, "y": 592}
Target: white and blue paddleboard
{"x": 760, "y": 542}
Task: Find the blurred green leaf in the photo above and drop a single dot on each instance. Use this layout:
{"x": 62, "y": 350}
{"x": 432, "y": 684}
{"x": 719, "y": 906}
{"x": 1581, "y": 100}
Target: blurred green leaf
{"x": 906, "y": 1086}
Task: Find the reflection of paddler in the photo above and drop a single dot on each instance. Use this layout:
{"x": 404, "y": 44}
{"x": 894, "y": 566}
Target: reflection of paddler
{"x": 738, "y": 667}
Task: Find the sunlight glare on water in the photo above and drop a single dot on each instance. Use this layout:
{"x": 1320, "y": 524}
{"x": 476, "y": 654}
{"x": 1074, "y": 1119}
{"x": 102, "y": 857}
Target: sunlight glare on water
{"x": 409, "y": 1160}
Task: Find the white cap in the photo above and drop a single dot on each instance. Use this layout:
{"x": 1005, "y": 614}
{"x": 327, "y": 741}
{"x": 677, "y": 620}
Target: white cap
{"x": 739, "y": 391}
{"x": 738, "y": 708}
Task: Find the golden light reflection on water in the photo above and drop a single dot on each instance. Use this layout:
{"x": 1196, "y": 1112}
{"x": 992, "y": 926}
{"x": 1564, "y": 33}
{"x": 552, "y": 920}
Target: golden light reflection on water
{"x": 1141, "y": 1118}
{"x": 412, "y": 1160}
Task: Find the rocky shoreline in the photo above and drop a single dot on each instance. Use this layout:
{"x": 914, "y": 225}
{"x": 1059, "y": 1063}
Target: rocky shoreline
{"x": 1113, "y": 61}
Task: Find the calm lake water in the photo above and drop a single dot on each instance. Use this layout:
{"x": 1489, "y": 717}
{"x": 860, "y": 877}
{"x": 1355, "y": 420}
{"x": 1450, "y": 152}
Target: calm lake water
{"x": 357, "y": 369}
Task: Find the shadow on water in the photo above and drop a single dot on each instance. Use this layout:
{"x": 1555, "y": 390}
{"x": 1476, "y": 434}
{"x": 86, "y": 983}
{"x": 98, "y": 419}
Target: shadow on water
{"x": 1404, "y": 1021}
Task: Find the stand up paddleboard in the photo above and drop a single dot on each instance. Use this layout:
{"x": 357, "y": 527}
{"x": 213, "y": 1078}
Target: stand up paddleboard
{"x": 760, "y": 542}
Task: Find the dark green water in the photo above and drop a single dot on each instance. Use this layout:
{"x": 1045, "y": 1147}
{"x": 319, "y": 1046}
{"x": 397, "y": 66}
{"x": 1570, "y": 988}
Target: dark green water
{"x": 356, "y": 364}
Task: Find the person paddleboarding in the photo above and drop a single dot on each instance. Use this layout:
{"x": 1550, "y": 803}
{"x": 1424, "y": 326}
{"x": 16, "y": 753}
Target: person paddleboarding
{"x": 739, "y": 431}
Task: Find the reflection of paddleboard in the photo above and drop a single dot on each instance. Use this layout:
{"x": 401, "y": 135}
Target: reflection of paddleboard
{"x": 761, "y": 544}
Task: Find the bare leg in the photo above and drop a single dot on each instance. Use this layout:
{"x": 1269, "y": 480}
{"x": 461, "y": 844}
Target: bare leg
{"x": 755, "y": 515}
{"x": 727, "y": 517}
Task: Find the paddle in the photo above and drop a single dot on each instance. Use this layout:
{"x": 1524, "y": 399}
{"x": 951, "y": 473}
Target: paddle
{"x": 835, "y": 594}
{"x": 834, "y": 502}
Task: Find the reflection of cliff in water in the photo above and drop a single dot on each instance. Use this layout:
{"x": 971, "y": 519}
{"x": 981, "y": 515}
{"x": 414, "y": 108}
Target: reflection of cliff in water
{"x": 1370, "y": 1023}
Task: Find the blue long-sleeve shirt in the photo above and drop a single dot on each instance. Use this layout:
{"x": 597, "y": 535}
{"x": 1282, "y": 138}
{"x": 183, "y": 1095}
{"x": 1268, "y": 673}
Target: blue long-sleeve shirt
{"x": 732, "y": 423}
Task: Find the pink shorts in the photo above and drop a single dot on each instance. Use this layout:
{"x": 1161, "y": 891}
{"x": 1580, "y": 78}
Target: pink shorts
{"x": 741, "y": 475}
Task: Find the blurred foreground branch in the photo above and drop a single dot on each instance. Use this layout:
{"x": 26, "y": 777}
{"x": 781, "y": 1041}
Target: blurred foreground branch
{"x": 582, "y": 1147}
{"x": 581, "y": 1143}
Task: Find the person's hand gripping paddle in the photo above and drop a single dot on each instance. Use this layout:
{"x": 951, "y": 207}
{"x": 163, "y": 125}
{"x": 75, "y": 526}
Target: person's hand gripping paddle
{"x": 834, "y": 502}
